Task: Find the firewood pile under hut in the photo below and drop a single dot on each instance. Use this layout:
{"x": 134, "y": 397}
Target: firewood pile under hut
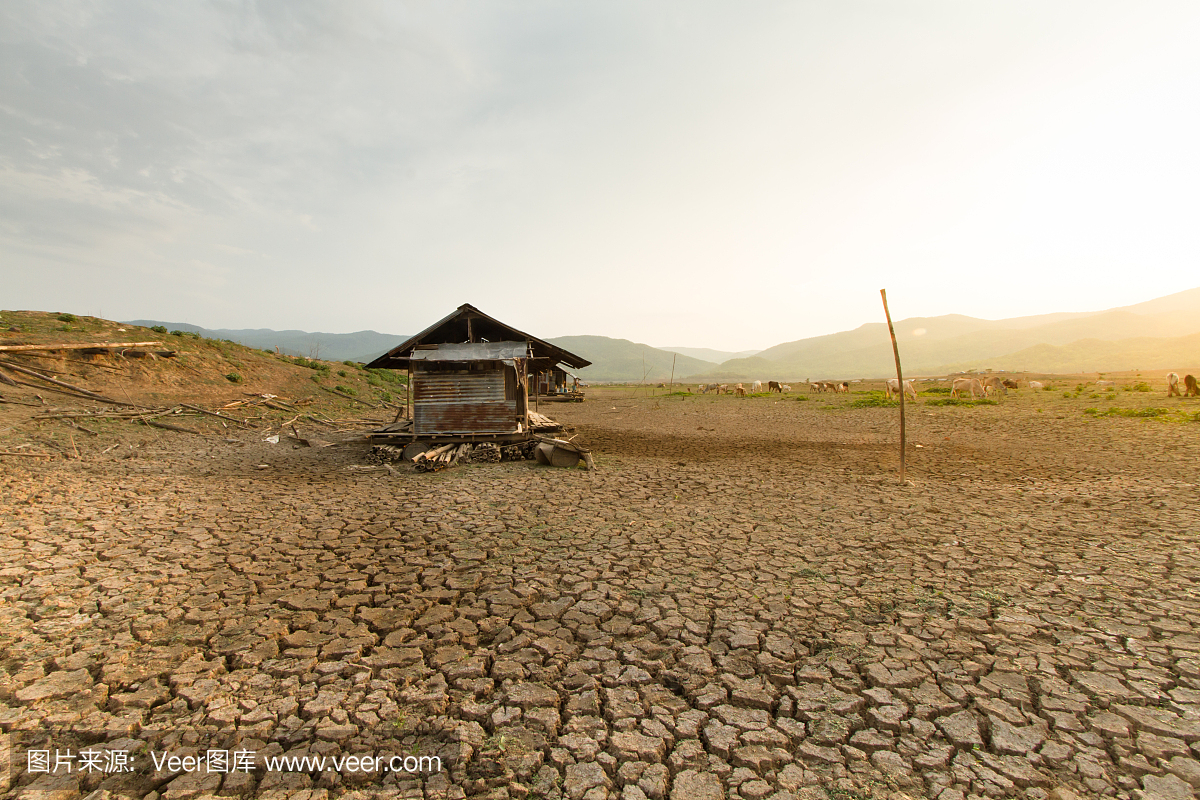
{"x": 472, "y": 379}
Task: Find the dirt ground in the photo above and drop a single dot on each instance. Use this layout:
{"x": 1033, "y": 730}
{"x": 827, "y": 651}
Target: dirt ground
{"x": 741, "y": 601}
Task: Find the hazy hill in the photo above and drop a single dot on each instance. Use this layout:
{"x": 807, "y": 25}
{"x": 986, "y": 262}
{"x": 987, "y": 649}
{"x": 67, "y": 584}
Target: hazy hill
{"x": 706, "y": 354}
{"x": 358, "y": 346}
{"x": 930, "y": 345}
{"x": 1096, "y": 355}
{"x": 623, "y": 360}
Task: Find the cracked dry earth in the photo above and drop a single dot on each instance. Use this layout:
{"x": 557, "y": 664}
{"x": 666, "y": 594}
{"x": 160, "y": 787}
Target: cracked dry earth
{"x": 741, "y": 601}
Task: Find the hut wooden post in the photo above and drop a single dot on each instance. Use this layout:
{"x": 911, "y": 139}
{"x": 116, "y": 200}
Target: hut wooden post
{"x": 899, "y": 377}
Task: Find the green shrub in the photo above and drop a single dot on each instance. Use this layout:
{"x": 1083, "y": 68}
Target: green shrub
{"x": 350, "y": 390}
{"x": 67, "y": 318}
{"x": 233, "y": 377}
{"x": 301, "y": 361}
{"x": 387, "y": 376}
{"x": 159, "y": 328}
{"x": 803, "y": 398}
{"x": 1140, "y": 386}
{"x": 354, "y": 364}
{"x": 342, "y": 373}
{"x": 935, "y": 390}
{"x": 385, "y": 396}
{"x": 189, "y": 334}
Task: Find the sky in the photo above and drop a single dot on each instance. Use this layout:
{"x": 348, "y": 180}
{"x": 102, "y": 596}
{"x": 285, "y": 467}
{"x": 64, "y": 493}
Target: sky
{"x": 690, "y": 174}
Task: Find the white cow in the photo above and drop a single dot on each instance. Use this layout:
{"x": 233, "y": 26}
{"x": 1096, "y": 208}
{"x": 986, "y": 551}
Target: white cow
{"x": 892, "y": 387}
{"x": 1106, "y": 384}
{"x": 756, "y": 387}
{"x": 992, "y": 383}
{"x": 786, "y": 388}
{"x": 962, "y": 385}
{"x": 1035, "y": 385}
{"x": 1173, "y": 385}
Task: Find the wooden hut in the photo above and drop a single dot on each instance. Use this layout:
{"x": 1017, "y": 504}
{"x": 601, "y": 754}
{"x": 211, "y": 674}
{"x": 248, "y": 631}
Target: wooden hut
{"x": 469, "y": 379}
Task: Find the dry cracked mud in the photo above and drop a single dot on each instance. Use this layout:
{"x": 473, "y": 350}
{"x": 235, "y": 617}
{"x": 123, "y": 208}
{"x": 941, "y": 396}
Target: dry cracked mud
{"x": 742, "y": 601}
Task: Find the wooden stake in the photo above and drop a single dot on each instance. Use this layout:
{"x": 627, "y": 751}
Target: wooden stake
{"x": 899, "y": 377}
{"x": 672, "y": 384}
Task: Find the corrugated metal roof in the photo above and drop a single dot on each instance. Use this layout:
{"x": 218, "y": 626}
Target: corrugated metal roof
{"x": 473, "y": 351}
{"x": 456, "y": 326}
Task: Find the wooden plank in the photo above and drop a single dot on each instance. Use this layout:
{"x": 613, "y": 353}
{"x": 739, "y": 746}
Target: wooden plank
{"x": 12, "y": 348}
{"x": 84, "y": 392}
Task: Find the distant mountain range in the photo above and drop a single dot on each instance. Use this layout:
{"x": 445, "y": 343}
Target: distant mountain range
{"x": 623, "y": 360}
{"x": 359, "y": 346}
{"x": 1159, "y": 334}
{"x": 713, "y": 356}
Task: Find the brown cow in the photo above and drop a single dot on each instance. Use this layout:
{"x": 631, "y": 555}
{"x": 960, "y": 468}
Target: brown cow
{"x": 774, "y": 386}
{"x": 1191, "y": 389}
{"x": 741, "y": 390}
{"x": 1010, "y": 383}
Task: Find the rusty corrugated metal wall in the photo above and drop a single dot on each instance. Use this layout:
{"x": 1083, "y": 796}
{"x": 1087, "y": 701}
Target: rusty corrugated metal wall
{"x": 463, "y": 402}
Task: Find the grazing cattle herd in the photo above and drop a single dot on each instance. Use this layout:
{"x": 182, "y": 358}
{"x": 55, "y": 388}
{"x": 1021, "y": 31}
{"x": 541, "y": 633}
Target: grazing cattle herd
{"x": 975, "y": 387}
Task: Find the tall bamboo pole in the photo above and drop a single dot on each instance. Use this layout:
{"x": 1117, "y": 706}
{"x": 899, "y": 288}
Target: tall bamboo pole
{"x": 899, "y": 376}
{"x": 673, "y": 357}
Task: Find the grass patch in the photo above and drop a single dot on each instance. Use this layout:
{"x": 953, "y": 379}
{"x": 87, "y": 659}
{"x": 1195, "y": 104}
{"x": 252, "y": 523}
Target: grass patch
{"x": 233, "y": 377}
{"x": 350, "y": 390}
{"x": 935, "y": 390}
{"x": 962, "y": 401}
{"x": 873, "y": 399}
{"x": 1140, "y": 386}
{"x": 1136, "y": 412}
{"x": 67, "y": 318}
